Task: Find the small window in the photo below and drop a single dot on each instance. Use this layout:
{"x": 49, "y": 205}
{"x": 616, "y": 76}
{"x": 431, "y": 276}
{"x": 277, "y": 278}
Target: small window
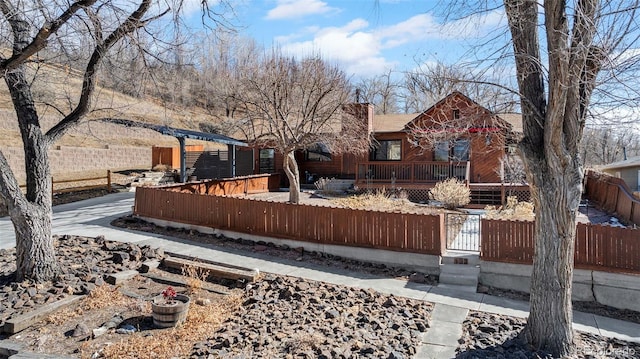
{"x": 387, "y": 151}
{"x": 456, "y": 114}
{"x": 267, "y": 160}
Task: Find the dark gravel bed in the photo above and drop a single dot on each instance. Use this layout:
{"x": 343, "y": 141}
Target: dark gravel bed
{"x": 285, "y": 317}
{"x": 84, "y": 262}
{"x": 286, "y": 252}
{"x": 486, "y": 335}
{"x": 585, "y": 307}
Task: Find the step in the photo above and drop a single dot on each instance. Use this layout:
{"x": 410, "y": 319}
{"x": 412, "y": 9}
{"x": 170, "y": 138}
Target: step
{"x": 460, "y": 269}
{"x": 459, "y": 279}
{"x": 459, "y": 274}
{"x": 461, "y": 257}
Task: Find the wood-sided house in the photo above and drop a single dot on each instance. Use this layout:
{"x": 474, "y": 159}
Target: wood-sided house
{"x": 455, "y": 137}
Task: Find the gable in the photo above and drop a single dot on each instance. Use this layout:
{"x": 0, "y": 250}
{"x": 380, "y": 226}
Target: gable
{"x": 457, "y": 113}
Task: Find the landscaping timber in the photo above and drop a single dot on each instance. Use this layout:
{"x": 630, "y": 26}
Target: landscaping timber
{"x": 24, "y": 321}
{"x": 214, "y": 270}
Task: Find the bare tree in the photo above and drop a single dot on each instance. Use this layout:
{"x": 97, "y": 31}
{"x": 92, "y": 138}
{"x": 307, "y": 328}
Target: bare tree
{"x": 582, "y": 51}
{"x": 605, "y": 144}
{"x": 86, "y": 30}
{"x": 580, "y": 37}
{"x": 383, "y": 91}
{"x": 295, "y": 104}
{"x": 430, "y": 82}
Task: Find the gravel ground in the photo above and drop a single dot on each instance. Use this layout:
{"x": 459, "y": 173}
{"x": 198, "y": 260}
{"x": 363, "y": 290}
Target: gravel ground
{"x": 486, "y": 335}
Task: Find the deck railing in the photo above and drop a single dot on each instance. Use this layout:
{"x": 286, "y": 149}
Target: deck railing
{"x": 411, "y": 172}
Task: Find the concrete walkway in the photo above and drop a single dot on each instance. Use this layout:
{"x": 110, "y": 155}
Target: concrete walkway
{"x": 92, "y": 217}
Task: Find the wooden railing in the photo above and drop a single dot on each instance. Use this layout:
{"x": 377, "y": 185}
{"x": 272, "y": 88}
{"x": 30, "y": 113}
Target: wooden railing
{"x": 598, "y": 247}
{"x": 613, "y": 196}
{"x": 411, "y": 172}
{"x": 395, "y": 231}
{"x": 106, "y": 185}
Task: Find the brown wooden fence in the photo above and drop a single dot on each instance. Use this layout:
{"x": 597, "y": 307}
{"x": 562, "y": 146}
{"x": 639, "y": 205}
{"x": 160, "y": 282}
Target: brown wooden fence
{"x": 598, "y": 247}
{"x": 229, "y": 186}
{"x": 613, "y": 195}
{"x": 327, "y": 225}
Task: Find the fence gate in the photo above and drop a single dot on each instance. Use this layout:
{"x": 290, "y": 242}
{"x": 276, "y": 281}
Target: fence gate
{"x": 463, "y": 231}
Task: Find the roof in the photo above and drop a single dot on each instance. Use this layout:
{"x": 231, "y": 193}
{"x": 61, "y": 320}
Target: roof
{"x": 514, "y": 119}
{"x": 392, "y": 122}
{"x": 180, "y": 133}
{"x": 631, "y": 162}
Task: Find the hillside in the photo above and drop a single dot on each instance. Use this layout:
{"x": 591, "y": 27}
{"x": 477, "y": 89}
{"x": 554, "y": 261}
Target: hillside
{"x": 60, "y": 88}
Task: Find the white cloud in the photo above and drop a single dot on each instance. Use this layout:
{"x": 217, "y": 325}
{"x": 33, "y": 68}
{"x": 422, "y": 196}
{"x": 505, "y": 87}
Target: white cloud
{"x": 360, "y": 48}
{"x": 291, "y": 9}
{"x": 358, "y": 51}
{"x": 426, "y": 26}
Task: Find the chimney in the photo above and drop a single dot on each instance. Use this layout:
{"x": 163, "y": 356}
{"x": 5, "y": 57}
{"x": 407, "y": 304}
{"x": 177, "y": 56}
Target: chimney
{"x": 357, "y": 95}
{"x": 624, "y": 153}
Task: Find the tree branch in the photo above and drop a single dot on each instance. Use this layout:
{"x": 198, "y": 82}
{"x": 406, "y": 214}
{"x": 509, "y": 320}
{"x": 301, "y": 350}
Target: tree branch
{"x": 89, "y": 80}
{"x": 21, "y": 51}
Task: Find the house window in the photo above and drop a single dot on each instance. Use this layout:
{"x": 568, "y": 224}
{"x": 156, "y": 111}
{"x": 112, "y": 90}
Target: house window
{"x": 446, "y": 151}
{"x": 460, "y": 150}
{"x": 456, "y": 114}
{"x": 267, "y": 160}
{"x": 318, "y": 152}
{"x": 390, "y": 150}
{"x": 441, "y": 151}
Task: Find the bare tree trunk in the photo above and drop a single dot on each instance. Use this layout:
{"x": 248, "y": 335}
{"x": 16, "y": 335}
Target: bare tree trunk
{"x": 30, "y": 213}
{"x": 556, "y": 193}
{"x": 293, "y": 174}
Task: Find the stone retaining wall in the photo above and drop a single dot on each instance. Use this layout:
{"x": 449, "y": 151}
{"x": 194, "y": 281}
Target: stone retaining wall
{"x": 613, "y": 289}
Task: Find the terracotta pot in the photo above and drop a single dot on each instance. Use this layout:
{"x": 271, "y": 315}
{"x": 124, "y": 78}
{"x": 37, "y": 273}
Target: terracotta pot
{"x": 166, "y": 315}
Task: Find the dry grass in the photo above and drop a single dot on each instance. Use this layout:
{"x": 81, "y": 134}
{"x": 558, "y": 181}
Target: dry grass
{"x": 102, "y": 297}
{"x": 176, "y": 342}
{"x": 195, "y": 277}
{"x": 381, "y": 201}
{"x": 513, "y": 210}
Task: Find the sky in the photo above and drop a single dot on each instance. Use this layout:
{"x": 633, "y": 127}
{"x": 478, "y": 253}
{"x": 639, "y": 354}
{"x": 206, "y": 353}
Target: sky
{"x": 366, "y": 37}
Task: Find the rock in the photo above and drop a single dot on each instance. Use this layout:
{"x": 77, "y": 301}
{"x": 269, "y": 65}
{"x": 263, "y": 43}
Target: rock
{"x": 120, "y": 257}
{"x": 80, "y": 331}
{"x": 331, "y": 314}
{"x": 205, "y": 302}
{"x": 31, "y": 291}
{"x": 126, "y": 329}
{"x": 99, "y": 331}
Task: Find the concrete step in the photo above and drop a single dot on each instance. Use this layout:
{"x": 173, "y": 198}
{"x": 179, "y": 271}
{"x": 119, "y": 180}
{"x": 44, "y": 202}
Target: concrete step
{"x": 460, "y": 269}
{"x": 460, "y": 288}
{"x": 459, "y": 279}
{"x": 461, "y": 257}
{"x": 459, "y": 274}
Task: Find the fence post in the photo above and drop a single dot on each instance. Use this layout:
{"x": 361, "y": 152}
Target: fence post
{"x": 109, "y": 181}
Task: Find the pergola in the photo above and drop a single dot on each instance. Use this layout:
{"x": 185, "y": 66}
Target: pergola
{"x": 181, "y": 135}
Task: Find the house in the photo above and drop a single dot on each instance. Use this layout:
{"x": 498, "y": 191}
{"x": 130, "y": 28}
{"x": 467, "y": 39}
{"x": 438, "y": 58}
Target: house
{"x": 455, "y": 137}
{"x": 627, "y": 170}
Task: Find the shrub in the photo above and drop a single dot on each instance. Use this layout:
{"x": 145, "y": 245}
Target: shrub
{"x": 451, "y": 193}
